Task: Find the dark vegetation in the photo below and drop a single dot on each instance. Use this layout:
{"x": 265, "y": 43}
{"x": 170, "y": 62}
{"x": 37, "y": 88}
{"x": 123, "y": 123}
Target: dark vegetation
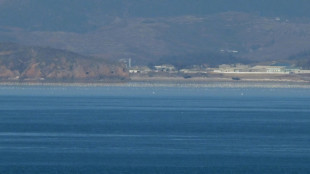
{"x": 302, "y": 59}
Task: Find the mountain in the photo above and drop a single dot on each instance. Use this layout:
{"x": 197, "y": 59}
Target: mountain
{"x": 179, "y": 32}
{"x": 301, "y": 59}
{"x": 82, "y": 16}
{"x": 23, "y": 63}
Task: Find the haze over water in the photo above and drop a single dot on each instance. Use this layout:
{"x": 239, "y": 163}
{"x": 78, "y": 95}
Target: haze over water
{"x": 154, "y": 130}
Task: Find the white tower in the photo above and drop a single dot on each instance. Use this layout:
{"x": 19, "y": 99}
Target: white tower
{"x": 129, "y": 63}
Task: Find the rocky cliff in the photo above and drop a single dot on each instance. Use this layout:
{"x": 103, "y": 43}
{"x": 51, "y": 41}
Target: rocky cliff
{"x": 22, "y": 63}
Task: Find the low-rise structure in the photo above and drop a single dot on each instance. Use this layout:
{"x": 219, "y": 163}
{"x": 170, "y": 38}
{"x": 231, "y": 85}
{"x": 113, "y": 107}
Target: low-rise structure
{"x": 139, "y": 70}
{"x": 236, "y": 68}
{"x": 232, "y": 68}
{"x": 193, "y": 71}
{"x": 268, "y": 69}
{"x": 165, "y": 68}
{"x": 239, "y": 68}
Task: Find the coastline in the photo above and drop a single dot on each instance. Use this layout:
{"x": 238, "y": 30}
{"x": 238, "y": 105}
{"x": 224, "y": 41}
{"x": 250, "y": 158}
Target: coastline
{"x": 172, "y": 83}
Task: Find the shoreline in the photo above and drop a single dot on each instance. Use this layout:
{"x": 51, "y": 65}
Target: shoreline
{"x": 190, "y": 84}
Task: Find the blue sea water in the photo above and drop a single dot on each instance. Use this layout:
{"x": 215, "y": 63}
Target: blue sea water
{"x": 153, "y": 130}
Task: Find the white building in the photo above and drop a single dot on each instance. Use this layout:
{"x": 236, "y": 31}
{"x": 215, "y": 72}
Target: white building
{"x": 165, "y": 68}
{"x": 139, "y": 70}
{"x": 239, "y": 68}
{"x": 268, "y": 69}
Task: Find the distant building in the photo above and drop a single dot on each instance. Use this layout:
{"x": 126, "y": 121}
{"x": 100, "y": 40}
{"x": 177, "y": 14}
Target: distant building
{"x": 126, "y": 62}
{"x": 224, "y": 66}
{"x": 193, "y": 71}
{"x": 139, "y": 70}
{"x": 268, "y": 69}
{"x": 240, "y": 68}
{"x": 165, "y": 68}
{"x": 233, "y": 68}
{"x": 129, "y": 63}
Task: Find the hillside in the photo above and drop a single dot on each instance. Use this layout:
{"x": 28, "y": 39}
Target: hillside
{"x": 153, "y": 32}
{"x": 301, "y": 59}
{"x": 22, "y": 63}
{"x": 84, "y": 16}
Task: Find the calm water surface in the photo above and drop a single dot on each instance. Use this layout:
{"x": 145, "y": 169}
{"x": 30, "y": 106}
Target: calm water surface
{"x": 153, "y": 130}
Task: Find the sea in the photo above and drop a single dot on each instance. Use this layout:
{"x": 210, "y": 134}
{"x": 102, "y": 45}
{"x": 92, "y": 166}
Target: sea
{"x": 153, "y": 130}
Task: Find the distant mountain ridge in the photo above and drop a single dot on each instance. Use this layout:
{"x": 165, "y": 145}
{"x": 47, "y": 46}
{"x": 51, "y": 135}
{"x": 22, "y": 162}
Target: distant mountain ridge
{"x": 179, "y": 32}
{"x": 24, "y": 63}
{"x": 80, "y": 15}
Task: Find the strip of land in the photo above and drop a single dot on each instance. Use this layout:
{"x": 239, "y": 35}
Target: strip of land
{"x": 176, "y": 82}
